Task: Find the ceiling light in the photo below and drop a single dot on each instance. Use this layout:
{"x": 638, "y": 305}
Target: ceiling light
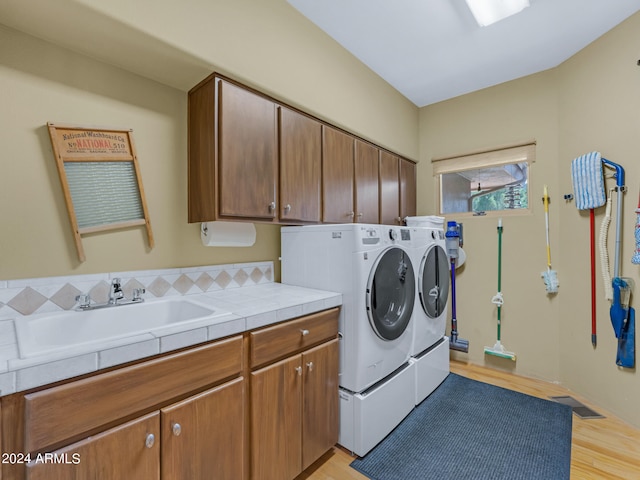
{"x": 487, "y": 12}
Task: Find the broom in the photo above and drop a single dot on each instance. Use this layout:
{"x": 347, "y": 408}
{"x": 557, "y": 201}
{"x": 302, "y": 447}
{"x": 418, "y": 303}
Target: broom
{"x": 550, "y": 276}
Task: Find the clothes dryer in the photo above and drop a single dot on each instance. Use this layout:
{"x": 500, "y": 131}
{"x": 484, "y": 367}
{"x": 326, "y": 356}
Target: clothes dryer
{"x": 430, "y": 346}
{"x": 371, "y": 265}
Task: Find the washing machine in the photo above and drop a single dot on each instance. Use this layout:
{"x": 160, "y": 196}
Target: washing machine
{"x": 430, "y": 346}
{"x": 371, "y": 265}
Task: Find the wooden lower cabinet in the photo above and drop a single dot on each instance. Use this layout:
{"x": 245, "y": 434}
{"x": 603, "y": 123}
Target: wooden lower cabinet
{"x": 199, "y": 438}
{"x": 294, "y": 416}
{"x": 131, "y": 450}
{"x": 203, "y": 436}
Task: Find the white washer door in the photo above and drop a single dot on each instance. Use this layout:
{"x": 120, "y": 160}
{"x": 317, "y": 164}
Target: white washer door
{"x": 433, "y": 282}
{"x": 391, "y": 293}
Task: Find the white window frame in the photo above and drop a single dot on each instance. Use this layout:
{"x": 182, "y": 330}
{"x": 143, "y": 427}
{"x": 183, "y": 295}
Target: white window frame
{"x": 518, "y": 153}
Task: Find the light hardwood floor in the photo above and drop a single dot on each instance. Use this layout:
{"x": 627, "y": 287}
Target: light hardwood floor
{"x": 604, "y": 448}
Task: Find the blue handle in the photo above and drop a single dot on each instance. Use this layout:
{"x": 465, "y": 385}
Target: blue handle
{"x": 619, "y": 171}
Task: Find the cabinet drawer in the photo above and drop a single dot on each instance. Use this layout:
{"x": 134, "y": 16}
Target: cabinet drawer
{"x": 67, "y": 411}
{"x": 278, "y": 341}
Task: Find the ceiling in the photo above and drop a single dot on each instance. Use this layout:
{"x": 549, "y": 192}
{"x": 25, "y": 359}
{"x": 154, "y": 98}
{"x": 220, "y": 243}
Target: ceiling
{"x": 433, "y": 50}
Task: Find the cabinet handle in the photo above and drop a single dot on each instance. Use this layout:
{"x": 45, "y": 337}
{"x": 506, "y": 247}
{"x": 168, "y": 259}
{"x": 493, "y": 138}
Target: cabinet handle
{"x": 287, "y": 208}
{"x": 272, "y": 206}
{"x": 399, "y": 220}
{"x": 304, "y": 332}
{"x": 176, "y": 429}
{"x": 360, "y": 214}
{"x": 351, "y": 214}
{"x": 150, "y": 440}
{"x": 310, "y": 366}
{"x": 299, "y": 370}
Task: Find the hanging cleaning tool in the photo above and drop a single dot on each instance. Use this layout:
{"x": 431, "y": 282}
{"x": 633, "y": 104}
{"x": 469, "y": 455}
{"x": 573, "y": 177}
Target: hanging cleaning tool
{"x": 588, "y": 189}
{"x": 636, "y": 255}
{"x": 498, "y": 349}
{"x": 453, "y": 240}
{"x": 622, "y": 315}
{"x": 550, "y": 276}
{"x": 623, "y": 320}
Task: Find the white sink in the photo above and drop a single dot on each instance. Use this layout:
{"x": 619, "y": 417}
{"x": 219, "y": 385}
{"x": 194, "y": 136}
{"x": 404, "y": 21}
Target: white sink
{"x": 53, "y": 332}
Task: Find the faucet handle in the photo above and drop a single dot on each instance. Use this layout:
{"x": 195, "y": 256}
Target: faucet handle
{"x": 84, "y": 300}
{"x": 136, "y": 294}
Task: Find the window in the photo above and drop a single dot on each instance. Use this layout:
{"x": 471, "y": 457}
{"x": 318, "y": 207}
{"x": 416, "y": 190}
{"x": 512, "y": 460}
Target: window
{"x": 477, "y": 183}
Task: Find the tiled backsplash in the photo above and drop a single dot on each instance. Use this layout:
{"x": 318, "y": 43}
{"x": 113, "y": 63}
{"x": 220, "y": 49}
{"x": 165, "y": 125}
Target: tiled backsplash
{"x": 50, "y": 294}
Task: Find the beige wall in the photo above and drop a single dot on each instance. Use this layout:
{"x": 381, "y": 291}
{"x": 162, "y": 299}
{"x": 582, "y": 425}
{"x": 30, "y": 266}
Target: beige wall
{"x": 591, "y": 102}
{"x": 266, "y": 44}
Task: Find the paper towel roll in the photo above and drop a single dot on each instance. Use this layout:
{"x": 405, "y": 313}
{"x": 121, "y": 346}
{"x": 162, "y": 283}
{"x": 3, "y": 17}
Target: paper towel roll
{"x": 227, "y": 234}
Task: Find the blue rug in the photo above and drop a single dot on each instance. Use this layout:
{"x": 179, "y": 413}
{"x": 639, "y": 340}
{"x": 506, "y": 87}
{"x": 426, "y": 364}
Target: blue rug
{"x": 472, "y": 430}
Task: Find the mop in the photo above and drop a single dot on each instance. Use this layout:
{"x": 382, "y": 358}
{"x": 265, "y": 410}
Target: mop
{"x": 550, "y": 276}
{"x": 498, "y": 349}
{"x": 621, "y": 313}
{"x": 588, "y": 186}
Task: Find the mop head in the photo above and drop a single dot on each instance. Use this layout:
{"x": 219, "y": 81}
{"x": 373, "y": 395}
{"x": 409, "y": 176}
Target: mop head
{"x": 498, "y": 351}
{"x": 550, "y": 278}
{"x": 636, "y": 256}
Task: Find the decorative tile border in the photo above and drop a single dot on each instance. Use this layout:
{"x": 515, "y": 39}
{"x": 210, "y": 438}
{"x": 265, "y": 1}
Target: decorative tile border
{"x": 51, "y": 294}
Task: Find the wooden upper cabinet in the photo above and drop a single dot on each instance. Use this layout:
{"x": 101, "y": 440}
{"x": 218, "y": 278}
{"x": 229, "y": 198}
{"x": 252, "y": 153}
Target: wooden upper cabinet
{"x": 389, "y": 189}
{"x": 366, "y": 183}
{"x": 247, "y": 153}
{"x": 408, "y": 198}
{"x": 300, "y": 167}
{"x": 337, "y": 176}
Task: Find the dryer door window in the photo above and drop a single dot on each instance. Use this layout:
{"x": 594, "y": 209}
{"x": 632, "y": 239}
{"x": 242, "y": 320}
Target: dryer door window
{"x": 391, "y": 293}
{"x": 433, "y": 283}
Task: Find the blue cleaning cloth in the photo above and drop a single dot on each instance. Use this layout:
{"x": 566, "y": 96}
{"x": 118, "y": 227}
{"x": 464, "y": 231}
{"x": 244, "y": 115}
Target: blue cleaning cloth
{"x": 588, "y": 181}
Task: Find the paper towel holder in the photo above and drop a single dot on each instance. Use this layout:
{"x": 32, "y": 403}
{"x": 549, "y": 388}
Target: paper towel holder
{"x": 227, "y": 234}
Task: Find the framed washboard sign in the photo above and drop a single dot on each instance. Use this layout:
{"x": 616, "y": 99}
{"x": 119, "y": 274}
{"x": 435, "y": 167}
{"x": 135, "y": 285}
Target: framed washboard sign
{"x": 100, "y": 178}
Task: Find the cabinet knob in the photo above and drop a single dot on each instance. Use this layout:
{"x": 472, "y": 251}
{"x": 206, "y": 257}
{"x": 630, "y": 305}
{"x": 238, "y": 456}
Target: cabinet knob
{"x": 299, "y": 370}
{"x": 287, "y": 208}
{"x": 176, "y": 429}
{"x": 150, "y": 440}
{"x": 304, "y": 332}
{"x": 310, "y": 366}
{"x": 272, "y": 206}
{"x": 399, "y": 220}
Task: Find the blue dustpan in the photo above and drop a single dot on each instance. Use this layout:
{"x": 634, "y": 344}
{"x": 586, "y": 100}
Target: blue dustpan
{"x": 626, "y": 356}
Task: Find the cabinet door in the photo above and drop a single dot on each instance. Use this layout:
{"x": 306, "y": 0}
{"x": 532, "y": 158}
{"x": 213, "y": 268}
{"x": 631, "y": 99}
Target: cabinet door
{"x": 247, "y": 153}
{"x": 131, "y": 450}
{"x": 202, "y": 436}
{"x": 320, "y": 401}
{"x": 389, "y": 189}
{"x": 407, "y": 188}
{"x": 337, "y": 176}
{"x": 300, "y": 167}
{"x": 366, "y": 183}
{"x": 276, "y": 422}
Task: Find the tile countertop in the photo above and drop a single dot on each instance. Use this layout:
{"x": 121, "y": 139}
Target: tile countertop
{"x": 250, "y": 307}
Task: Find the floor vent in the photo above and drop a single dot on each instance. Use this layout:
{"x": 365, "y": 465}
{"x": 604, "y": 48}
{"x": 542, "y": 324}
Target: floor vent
{"x": 578, "y": 408}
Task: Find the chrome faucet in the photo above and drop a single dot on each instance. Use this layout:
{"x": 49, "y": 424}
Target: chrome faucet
{"x": 115, "y": 292}
{"x": 116, "y": 297}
